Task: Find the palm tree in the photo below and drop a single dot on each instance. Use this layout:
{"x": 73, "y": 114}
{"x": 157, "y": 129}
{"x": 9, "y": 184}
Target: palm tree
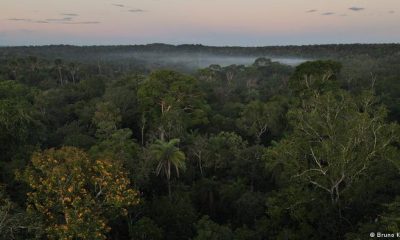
{"x": 168, "y": 156}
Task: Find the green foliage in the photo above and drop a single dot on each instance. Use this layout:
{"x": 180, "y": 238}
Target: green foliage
{"x": 123, "y": 94}
{"x": 266, "y": 150}
{"x": 168, "y": 156}
{"x": 106, "y": 118}
{"x": 207, "y": 229}
{"x": 14, "y": 224}
{"x": 223, "y": 149}
{"x": 176, "y": 215}
{"x": 17, "y": 116}
{"x": 390, "y": 218}
{"x": 145, "y": 229}
{"x": 336, "y": 138}
{"x": 171, "y": 102}
{"x": 317, "y": 69}
{"x": 75, "y": 134}
{"x": 312, "y": 78}
{"x": 250, "y": 206}
{"x": 15, "y": 121}
{"x": 113, "y": 142}
{"x": 245, "y": 233}
{"x": 92, "y": 87}
{"x": 20, "y": 127}
{"x": 262, "y": 62}
{"x": 258, "y": 118}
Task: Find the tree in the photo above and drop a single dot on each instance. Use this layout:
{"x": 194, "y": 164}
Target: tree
{"x": 59, "y": 66}
{"x": 171, "y": 102}
{"x": 209, "y": 230}
{"x": 317, "y": 69}
{"x": 145, "y": 229}
{"x": 197, "y": 149}
{"x": 336, "y": 138}
{"x": 168, "y": 156}
{"x": 107, "y": 119}
{"x": 74, "y": 195}
{"x": 73, "y": 70}
{"x": 223, "y": 152}
{"x": 244, "y": 233}
{"x": 123, "y": 94}
{"x": 387, "y": 221}
{"x": 262, "y": 62}
{"x": 390, "y": 218}
{"x": 113, "y": 142}
{"x": 311, "y": 78}
{"x": 176, "y": 216}
{"x": 257, "y": 118}
{"x": 33, "y": 63}
{"x": 13, "y": 222}
{"x": 19, "y": 120}
{"x": 14, "y": 65}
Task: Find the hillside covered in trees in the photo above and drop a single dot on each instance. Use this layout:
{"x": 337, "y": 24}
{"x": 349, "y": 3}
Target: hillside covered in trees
{"x": 113, "y": 143}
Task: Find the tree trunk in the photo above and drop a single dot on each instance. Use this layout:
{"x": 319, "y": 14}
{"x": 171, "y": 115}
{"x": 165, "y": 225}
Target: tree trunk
{"x": 98, "y": 68}
{"x": 201, "y": 166}
{"x": 142, "y": 133}
{"x": 73, "y": 77}
{"x": 162, "y": 134}
{"x": 143, "y": 128}
{"x": 60, "y": 75}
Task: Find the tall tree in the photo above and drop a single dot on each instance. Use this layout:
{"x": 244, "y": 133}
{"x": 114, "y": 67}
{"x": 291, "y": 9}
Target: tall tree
{"x": 19, "y": 120}
{"x": 171, "y": 102}
{"x": 59, "y": 66}
{"x": 168, "y": 156}
{"x": 257, "y": 118}
{"x": 73, "y": 70}
{"x": 335, "y": 140}
{"x": 74, "y": 195}
{"x": 107, "y": 119}
{"x": 112, "y": 141}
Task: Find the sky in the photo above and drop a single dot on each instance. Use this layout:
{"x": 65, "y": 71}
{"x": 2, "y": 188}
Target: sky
{"x": 208, "y": 22}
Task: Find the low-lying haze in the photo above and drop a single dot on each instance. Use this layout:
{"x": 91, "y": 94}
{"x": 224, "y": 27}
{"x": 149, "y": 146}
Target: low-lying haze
{"x": 198, "y": 60}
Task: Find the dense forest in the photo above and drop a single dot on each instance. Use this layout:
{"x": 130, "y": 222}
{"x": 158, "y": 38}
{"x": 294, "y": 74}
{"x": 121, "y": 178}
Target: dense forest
{"x": 107, "y": 143}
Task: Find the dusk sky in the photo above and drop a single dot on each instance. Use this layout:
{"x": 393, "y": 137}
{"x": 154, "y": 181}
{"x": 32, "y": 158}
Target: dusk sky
{"x": 209, "y": 22}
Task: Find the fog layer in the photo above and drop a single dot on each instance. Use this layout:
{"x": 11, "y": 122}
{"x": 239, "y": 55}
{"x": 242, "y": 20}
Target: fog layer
{"x": 199, "y": 60}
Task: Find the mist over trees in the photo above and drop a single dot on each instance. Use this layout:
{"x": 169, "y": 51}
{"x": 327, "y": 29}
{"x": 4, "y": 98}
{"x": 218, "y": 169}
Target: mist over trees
{"x": 107, "y": 143}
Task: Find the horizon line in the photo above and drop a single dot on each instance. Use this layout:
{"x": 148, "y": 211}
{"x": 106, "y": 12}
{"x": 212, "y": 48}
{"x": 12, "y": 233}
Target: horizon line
{"x": 198, "y": 44}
